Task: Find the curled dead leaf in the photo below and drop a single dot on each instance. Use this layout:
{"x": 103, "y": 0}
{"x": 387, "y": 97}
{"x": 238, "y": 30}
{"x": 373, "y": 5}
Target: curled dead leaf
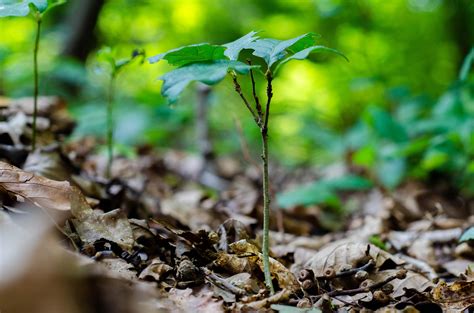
{"x": 41, "y": 191}
{"x": 286, "y": 279}
{"x": 338, "y": 255}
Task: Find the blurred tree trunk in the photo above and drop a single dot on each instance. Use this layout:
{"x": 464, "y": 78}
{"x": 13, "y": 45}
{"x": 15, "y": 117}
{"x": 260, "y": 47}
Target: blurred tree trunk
{"x": 82, "y": 19}
{"x": 460, "y": 21}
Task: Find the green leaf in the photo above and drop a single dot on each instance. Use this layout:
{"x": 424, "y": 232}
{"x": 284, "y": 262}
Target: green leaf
{"x": 21, "y": 8}
{"x": 189, "y": 54}
{"x": 468, "y": 235}
{"x": 349, "y": 182}
{"x": 292, "y": 309}
{"x": 303, "y": 54}
{"x": 391, "y": 171}
{"x": 385, "y": 125}
{"x": 315, "y": 193}
{"x": 234, "y": 47}
{"x": 378, "y": 242}
{"x": 52, "y": 4}
{"x": 107, "y": 56}
{"x": 323, "y": 192}
{"x": 209, "y": 73}
{"x": 272, "y": 50}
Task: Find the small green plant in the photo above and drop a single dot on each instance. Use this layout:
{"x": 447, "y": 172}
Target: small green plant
{"x": 114, "y": 67}
{"x": 35, "y": 9}
{"x": 210, "y": 64}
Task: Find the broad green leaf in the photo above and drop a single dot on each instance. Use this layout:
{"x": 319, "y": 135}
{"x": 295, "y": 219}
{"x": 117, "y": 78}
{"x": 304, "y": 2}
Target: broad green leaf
{"x": 234, "y": 47}
{"x": 349, "y": 182}
{"x": 434, "y": 159}
{"x": 468, "y": 235}
{"x": 391, "y": 171}
{"x": 52, "y": 4}
{"x": 21, "y": 8}
{"x": 264, "y": 48}
{"x": 323, "y": 192}
{"x": 385, "y": 125}
{"x": 272, "y": 50}
{"x": 189, "y": 54}
{"x": 303, "y": 54}
{"x": 37, "y": 8}
{"x": 292, "y": 309}
{"x": 315, "y": 193}
{"x": 209, "y": 73}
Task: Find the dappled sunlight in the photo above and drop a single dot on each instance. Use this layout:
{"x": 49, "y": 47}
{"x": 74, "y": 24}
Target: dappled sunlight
{"x": 186, "y": 15}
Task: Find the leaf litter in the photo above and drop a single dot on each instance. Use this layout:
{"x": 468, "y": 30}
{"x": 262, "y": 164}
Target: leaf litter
{"x": 155, "y": 238}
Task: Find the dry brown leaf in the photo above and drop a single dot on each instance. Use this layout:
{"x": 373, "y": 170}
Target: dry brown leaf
{"x": 41, "y": 191}
{"x": 412, "y": 281}
{"x": 339, "y": 255}
{"x": 156, "y": 270}
{"x": 454, "y": 297}
{"x": 285, "y": 278}
{"x": 114, "y": 226}
{"x": 202, "y": 302}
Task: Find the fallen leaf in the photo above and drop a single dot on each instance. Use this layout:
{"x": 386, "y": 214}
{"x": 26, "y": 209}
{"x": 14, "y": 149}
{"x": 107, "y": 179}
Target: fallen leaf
{"x": 338, "y": 255}
{"x": 285, "y": 278}
{"x": 41, "y": 191}
{"x": 454, "y": 297}
{"x": 155, "y": 270}
{"x": 200, "y": 302}
{"x": 114, "y": 226}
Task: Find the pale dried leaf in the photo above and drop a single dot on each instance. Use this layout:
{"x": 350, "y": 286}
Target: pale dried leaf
{"x": 41, "y": 191}
{"x": 412, "y": 281}
{"x": 454, "y": 297}
{"x": 114, "y": 226}
{"x": 155, "y": 270}
{"x": 201, "y": 302}
{"x": 285, "y": 278}
{"x": 339, "y": 255}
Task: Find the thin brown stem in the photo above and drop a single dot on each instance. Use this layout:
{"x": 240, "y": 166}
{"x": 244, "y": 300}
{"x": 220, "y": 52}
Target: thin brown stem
{"x": 355, "y": 291}
{"x": 254, "y": 93}
{"x": 238, "y": 88}
{"x": 266, "y": 192}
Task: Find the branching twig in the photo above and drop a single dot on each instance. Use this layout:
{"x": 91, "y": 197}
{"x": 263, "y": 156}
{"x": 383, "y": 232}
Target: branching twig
{"x": 222, "y": 282}
{"x": 254, "y": 93}
{"x": 247, "y": 104}
{"x": 350, "y": 292}
{"x": 350, "y": 272}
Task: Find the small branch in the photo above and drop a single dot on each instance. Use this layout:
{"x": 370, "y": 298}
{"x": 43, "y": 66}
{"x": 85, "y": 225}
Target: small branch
{"x": 351, "y": 271}
{"x": 238, "y": 89}
{"x": 254, "y": 93}
{"x": 213, "y": 278}
{"x": 351, "y": 292}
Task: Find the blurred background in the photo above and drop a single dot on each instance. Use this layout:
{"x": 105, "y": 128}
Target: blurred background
{"x": 400, "y": 107}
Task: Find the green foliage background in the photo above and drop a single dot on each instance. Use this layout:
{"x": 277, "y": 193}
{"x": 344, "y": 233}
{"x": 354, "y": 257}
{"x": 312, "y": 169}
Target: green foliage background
{"x": 399, "y": 51}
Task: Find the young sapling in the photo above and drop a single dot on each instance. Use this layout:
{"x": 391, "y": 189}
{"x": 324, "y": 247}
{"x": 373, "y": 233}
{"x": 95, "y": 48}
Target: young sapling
{"x": 106, "y": 56}
{"x": 210, "y": 64}
{"x": 35, "y": 9}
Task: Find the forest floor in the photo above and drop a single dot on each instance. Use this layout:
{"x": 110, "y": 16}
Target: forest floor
{"x": 169, "y": 233}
